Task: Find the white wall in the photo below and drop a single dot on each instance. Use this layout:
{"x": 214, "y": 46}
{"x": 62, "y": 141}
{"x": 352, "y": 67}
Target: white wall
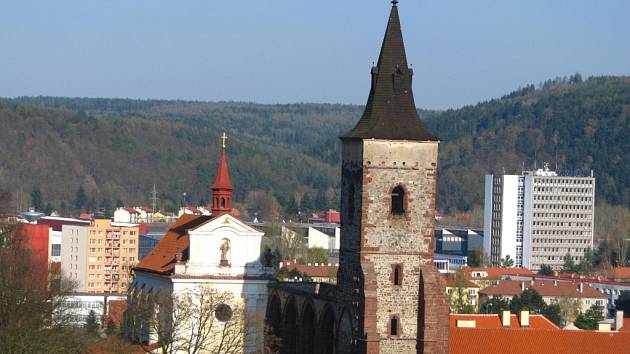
{"x": 509, "y": 212}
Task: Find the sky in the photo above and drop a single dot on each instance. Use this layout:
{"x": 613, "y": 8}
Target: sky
{"x": 272, "y": 51}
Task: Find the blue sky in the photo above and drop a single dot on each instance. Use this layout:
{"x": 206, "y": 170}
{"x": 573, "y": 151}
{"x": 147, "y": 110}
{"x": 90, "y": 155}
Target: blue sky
{"x": 272, "y": 51}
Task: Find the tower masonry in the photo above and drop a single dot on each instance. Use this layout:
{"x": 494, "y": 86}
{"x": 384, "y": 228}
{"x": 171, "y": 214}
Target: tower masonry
{"x": 387, "y": 216}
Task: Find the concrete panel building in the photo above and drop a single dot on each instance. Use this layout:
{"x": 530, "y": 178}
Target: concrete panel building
{"x": 539, "y": 217}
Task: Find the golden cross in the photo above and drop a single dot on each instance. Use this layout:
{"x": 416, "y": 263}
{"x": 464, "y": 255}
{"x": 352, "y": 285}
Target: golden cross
{"x": 223, "y": 139}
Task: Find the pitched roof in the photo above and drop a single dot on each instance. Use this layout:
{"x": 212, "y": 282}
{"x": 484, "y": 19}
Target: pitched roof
{"x": 619, "y": 273}
{"x": 390, "y": 112}
{"x": 222, "y": 180}
{"x": 499, "y": 341}
{"x": 544, "y": 288}
{"x": 497, "y": 273}
{"x": 319, "y": 271}
{"x": 489, "y": 321}
{"x": 162, "y": 258}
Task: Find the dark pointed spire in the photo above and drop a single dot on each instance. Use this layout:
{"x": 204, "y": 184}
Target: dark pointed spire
{"x": 222, "y": 186}
{"x": 390, "y": 112}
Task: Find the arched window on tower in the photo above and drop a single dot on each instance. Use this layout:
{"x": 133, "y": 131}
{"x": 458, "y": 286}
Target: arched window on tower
{"x": 398, "y": 200}
{"x": 222, "y": 202}
{"x": 393, "y": 326}
{"x": 397, "y": 276}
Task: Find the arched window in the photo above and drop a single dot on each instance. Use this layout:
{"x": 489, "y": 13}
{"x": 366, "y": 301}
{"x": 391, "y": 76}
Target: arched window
{"x": 398, "y": 198}
{"x": 350, "y": 215}
{"x": 222, "y": 202}
{"x": 393, "y": 326}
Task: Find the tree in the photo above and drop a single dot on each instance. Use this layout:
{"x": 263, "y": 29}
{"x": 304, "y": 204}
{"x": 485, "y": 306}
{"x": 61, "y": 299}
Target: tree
{"x": 81, "y": 199}
{"x": 291, "y": 207}
{"x": 270, "y": 258}
{"x": 37, "y": 200}
{"x": 110, "y": 329}
{"x": 569, "y": 309}
{"x": 590, "y": 318}
{"x": 587, "y": 264}
{"x": 623, "y": 303}
{"x": 459, "y": 299}
{"x": 478, "y": 258}
{"x": 553, "y": 314}
{"x": 546, "y": 269}
{"x": 48, "y": 209}
{"x": 287, "y": 242}
{"x": 199, "y": 320}
{"x": 34, "y": 317}
{"x": 496, "y": 304}
{"x": 91, "y": 323}
{"x": 507, "y": 262}
{"x": 316, "y": 255}
{"x": 569, "y": 264}
{"x": 306, "y": 205}
{"x": 528, "y": 300}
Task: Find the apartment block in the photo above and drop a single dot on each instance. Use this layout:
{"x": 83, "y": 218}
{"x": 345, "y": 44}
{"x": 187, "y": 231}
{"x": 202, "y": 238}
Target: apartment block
{"x": 539, "y": 217}
{"x": 99, "y": 257}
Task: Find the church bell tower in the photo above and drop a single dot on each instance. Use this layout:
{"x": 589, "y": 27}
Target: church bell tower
{"x": 388, "y": 190}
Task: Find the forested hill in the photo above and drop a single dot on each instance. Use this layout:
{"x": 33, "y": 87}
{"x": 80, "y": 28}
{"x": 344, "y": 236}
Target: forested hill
{"x": 117, "y": 148}
{"x": 582, "y": 125}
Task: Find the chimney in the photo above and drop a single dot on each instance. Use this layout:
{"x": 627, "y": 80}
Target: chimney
{"x": 466, "y": 323}
{"x": 618, "y": 320}
{"x": 505, "y": 318}
{"x": 555, "y": 283}
{"x": 603, "y": 327}
{"x": 522, "y": 286}
{"x": 524, "y": 318}
{"x": 581, "y": 288}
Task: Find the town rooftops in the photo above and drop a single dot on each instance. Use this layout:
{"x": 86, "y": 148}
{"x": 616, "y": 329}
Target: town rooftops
{"x": 509, "y": 340}
{"x": 479, "y": 273}
{"x": 544, "y": 288}
{"x": 493, "y": 321}
{"x": 312, "y": 270}
{"x": 619, "y": 273}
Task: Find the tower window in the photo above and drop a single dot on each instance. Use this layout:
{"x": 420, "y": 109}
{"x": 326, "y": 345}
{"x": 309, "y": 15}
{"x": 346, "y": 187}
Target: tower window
{"x": 222, "y": 202}
{"x": 393, "y": 326}
{"x": 397, "y": 276}
{"x": 398, "y": 198}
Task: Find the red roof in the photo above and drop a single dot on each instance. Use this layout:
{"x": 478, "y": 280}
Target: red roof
{"x": 222, "y": 180}
{"x": 131, "y": 210}
{"x": 497, "y": 273}
{"x": 619, "y": 273}
{"x": 319, "y": 271}
{"x": 503, "y": 340}
{"x": 485, "y": 321}
{"x": 450, "y": 281}
{"x": 544, "y": 288}
{"x": 163, "y": 257}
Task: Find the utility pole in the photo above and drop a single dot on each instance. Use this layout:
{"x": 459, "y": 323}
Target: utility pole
{"x": 154, "y": 199}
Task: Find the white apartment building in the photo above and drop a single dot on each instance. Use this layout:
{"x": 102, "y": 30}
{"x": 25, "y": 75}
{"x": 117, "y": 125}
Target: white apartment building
{"x": 538, "y": 217}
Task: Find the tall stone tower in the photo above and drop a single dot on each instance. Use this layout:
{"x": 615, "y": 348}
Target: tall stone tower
{"x": 388, "y": 197}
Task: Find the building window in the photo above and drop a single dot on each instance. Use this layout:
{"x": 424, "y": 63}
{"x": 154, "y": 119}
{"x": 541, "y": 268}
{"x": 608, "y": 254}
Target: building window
{"x": 56, "y": 250}
{"x": 397, "y": 274}
{"x": 394, "y": 329}
{"x": 398, "y": 198}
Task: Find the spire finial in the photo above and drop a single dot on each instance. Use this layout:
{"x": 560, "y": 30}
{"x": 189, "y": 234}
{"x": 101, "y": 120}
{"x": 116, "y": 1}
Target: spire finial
{"x": 394, "y": 2}
{"x": 223, "y": 139}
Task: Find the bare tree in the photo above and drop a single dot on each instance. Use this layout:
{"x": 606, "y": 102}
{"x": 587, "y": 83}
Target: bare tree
{"x": 201, "y": 320}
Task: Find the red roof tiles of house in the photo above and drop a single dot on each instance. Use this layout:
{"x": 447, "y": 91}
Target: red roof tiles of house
{"x": 162, "y": 258}
{"x": 490, "y": 321}
{"x": 504, "y": 340}
{"x": 313, "y": 271}
{"x": 619, "y": 273}
{"x": 495, "y": 273}
{"x": 544, "y": 288}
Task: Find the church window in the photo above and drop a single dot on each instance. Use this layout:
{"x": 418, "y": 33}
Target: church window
{"x": 222, "y": 202}
{"x": 223, "y": 312}
{"x": 397, "y": 276}
{"x": 398, "y": 198}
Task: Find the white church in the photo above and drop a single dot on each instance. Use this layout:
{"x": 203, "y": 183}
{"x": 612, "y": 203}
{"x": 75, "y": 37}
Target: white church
{"x": 203, "y": 288}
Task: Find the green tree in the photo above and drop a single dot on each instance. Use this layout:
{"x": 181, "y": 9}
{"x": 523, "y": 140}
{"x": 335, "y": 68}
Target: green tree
{"x": 459, "y": 300}
{"x": 316, "y": 255}
{"x": 48, "y": 209}
{"x": 91, "y": 323}
{"x": 546, "y": 269}
{"x": 37, "y": 200}
{"x": 80, "y": 199}
{"x": 291, "y": 207}
{"x": 590, "y": 318}
{"x": 270, "y": 258}
{"x": 306, "y": 205}
{"x": 495, "y": 304}
{"x": 529, "y": 300}
{"x": 569, "y": 264}
{"x": 553, "y": 314}
{"x": 507, "y": 262}
{"x": 111, "y": 329}
{"x": 623, "y": 303}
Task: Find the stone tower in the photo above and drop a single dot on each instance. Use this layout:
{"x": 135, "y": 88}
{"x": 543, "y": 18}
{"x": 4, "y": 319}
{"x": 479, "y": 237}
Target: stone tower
{"x": 389, "y": 168}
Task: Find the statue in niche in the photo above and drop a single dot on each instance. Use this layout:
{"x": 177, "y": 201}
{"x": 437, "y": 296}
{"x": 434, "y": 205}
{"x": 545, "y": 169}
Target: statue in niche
{"x": 225, "y": 249}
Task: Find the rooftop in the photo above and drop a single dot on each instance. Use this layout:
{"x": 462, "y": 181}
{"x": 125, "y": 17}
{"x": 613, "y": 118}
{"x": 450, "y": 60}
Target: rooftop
{"x": 544, "y": 288}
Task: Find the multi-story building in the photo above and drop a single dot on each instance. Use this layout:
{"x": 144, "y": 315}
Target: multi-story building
{"x": 539, "y": 217}
{"x": 99, "y": 257}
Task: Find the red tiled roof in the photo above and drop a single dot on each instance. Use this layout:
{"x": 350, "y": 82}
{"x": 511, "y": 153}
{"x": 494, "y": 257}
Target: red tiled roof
{"x": 131, "y": 210}
{"x": 544, "y": 288}
{"x": 497, "y": 273}
{"x": 222, "y": 180}
{"x": 450, "y": 282}
{"x": 501, "y": 341}
{"x": 162, "y": 258}
{"x": 484, "y": 321}
{"x": 320, "y": 271}
{"x": 619, "y": 273}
